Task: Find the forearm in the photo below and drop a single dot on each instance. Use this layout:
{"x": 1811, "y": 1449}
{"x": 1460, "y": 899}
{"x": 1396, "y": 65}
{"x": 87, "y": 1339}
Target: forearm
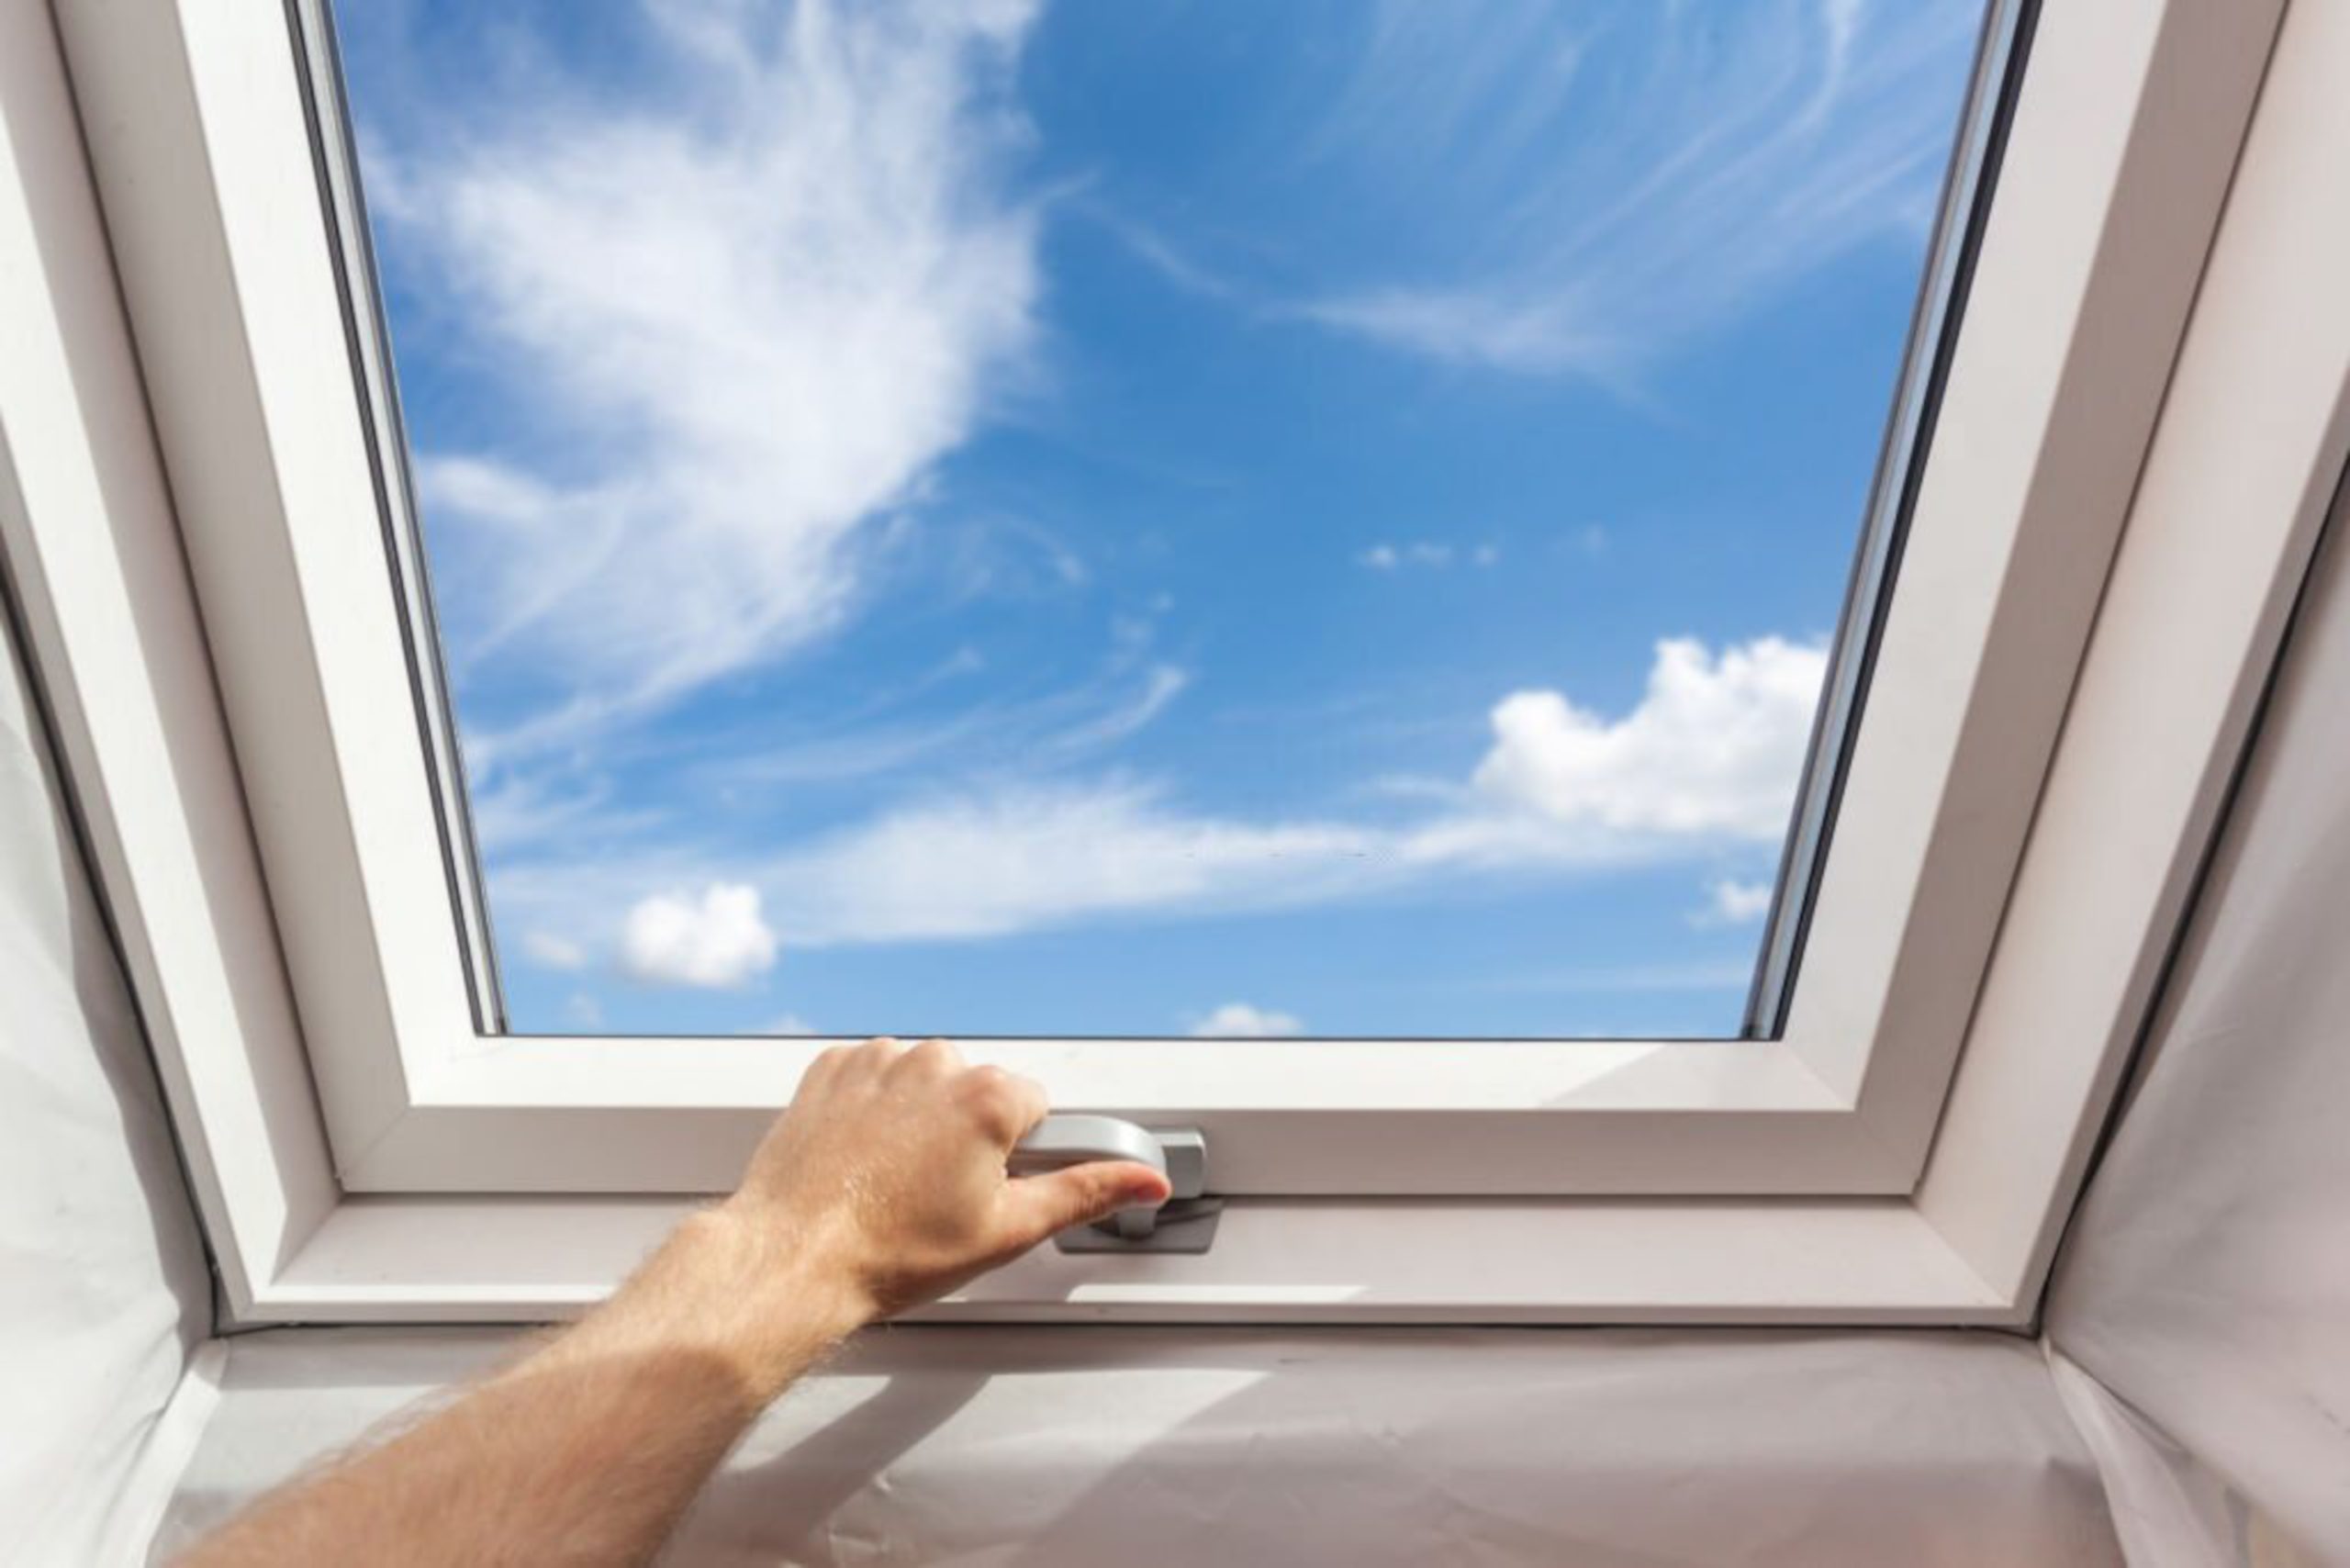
{"x": 586, "y": 1452}
{"x": 882, "y": 1186}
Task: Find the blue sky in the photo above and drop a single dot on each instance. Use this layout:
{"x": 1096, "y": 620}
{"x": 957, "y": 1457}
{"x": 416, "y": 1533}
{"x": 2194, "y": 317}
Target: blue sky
{"x": 991, "y": 517}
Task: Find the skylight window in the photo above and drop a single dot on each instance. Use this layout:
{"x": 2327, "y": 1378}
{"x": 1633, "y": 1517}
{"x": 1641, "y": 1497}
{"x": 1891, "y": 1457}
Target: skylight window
{"x": 2033, "y": 699}
{"x": 1044, "y": 519}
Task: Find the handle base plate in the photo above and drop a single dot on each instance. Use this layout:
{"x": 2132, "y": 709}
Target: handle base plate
{"x": 1181, "y": 1225}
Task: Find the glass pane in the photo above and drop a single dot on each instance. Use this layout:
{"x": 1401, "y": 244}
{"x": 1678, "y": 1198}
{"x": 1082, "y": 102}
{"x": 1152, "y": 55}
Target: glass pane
{"x": 991, "y": 517}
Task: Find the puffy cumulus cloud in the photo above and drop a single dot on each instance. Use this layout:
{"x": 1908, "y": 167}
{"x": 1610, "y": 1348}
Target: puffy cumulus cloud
{"x": 714, "y": 941}
{"x": 741, "y": 323}
{"x": 1714, "y": 748}
{"x": 1244, "y": 1021}
{"x": 1732, "y": 903}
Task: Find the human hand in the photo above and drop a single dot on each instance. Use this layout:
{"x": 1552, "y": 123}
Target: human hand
{"x": 886, "y": 1172}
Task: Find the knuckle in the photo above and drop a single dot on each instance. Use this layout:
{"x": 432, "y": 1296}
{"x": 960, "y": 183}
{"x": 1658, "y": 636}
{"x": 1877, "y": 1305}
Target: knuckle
{"x": 988, "y": 1092}
{"x": 932, "y": 1056}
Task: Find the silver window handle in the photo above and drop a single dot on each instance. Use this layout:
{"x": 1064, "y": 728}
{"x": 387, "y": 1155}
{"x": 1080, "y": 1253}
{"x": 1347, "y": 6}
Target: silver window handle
{"x": 1179, "y": 1154}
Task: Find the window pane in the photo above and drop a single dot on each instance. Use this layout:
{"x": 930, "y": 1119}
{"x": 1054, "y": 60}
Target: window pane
{"x": 990, "y": 516}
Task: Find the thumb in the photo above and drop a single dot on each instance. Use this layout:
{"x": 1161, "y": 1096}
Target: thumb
{"x": 1079, "y": 1194}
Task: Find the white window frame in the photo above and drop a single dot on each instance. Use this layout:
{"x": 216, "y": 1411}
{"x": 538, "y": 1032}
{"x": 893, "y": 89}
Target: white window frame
{"x": 1860, "y": 1167}
{"x": 286, "y": 508}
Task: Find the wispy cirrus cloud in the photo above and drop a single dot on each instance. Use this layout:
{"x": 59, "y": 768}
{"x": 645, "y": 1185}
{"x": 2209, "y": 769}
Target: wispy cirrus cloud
{"x": 733, "y": 325}
{"x": 1692, "y": 158}
{"x": 1130, "y": 690}
{"x": 1707, "y": 760}
{"x": 1002, "y": 860}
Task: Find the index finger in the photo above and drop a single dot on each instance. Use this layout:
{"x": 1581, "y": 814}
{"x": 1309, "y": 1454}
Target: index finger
{"x": 1031, "y": 1101}
{"x": 1008, "y": 1105}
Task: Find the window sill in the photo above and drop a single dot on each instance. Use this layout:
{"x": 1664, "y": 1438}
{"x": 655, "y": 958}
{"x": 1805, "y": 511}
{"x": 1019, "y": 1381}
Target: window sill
{"x": 1275, "y": 1260}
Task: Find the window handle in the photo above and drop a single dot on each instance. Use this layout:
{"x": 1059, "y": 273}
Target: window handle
{"x": 1185, "y": 1223}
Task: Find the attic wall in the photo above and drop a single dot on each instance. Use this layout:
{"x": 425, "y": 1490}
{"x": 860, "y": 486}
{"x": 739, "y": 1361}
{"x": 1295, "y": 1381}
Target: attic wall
{"x": 104, "y": 1290}
{"x": 2206, "y": 1282}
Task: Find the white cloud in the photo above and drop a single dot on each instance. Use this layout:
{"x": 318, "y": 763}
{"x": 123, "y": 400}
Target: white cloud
{"x": 1154, "y": 251}
{"x": 550, "y": 951}
{"x": 1732, "y": 903}
{"x": 1738, "y": 149}
{"x": 1710, "y": 756}
{"x": 1243, "y": 1021}
{"x": 1004, "y": 858}
{"x": 1161, "y": 685}
{"x": 1426, "y": 553}
{"x": 510, "y": 811}
{"x": 1715, "y": 748}
{"x": 1460, "y": 325}
{"x": 1708, "y": 759}
{"x": 1019, "y": 858}
{"x": 1125, "y": 695}
{"x": 745, "y": 321}
{"x": 714, "y": 942}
